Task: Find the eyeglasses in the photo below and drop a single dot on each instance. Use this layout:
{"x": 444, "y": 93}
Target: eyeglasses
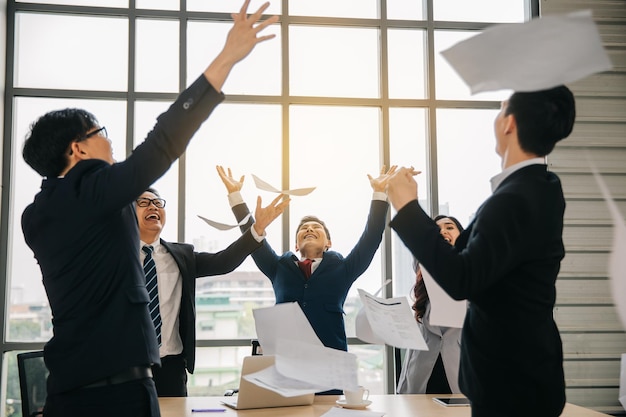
{"x": 145, "y": 202}
{"x": 101, "y": 132}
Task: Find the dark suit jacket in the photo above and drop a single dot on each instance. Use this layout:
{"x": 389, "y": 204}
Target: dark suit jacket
{"x": 83, "y": 231}
{"x": 322, "y": 296}
{"x": 506, "y": 263}
{"x": 193, "y": 265}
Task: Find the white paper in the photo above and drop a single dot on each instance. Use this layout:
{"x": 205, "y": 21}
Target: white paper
{"x": 445, "y": 311}
{"x": 344, "y": 412}
{"x": 262, "y": 185}
{"x": 362, "y": 325}
{"x": 617, "y": 260}
{"x": 319, "y": 365}
{"x": 622, "y": 382}
{"x": 536, "y": 55}
{"x": 392, "y": 320}
{"x": 282, "y": 321}
{"x": 222, "y": 226}
{"x": 269, "y": 378}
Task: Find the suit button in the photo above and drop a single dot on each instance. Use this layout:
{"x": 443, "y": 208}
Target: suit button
{"x": 304, "y": 304}
{"x": 306, "y": 285}
{"x": 187, "y": 104}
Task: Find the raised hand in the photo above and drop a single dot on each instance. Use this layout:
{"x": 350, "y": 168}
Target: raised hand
{"x": 229, "y": 181}
{"x": 380, "y": 183}
{"x": 402, "y": 187}
{"x": 263, "y": 216}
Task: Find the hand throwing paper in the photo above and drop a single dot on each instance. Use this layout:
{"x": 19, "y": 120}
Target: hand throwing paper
{"x": 536, "y": 55}
{"x": 262, "y": 185}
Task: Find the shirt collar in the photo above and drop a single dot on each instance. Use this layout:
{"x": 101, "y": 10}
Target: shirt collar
{"x": 156, "y": 245}
{"x": 497, "y": 180}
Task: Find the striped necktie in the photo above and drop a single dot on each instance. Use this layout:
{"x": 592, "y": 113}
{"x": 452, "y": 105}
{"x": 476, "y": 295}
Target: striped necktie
{"x": 149, "y": 269}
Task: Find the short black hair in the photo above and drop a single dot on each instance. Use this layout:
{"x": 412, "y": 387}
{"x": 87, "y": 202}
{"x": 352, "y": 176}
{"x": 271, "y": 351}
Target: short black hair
{"x": 153, "y": 191}
{"x": 309, "y": 218}
{"x": 47, "y": 144}
{"x": 543, "y": 118}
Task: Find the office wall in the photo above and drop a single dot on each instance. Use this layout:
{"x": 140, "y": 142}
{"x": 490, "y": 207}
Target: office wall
{"x": 593, "y": 337}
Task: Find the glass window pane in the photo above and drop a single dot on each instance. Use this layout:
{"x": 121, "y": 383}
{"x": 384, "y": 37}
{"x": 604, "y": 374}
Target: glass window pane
{"x": 259, "y": 73}
{"x": 110, "y": 3}
{"x": 448, "y": 84}
{"x": 464, "y": 182}
{"x": 231, "y": 6}
{"x": 146, "y": 113}
{"x": 29, "y": 316}
{"x": 253, "y": 147}
{"x": 158, "y": 4}
{"x": 405, "y": 9}
{"x": 321, "y": 64}
{"x": 407, "y": 72}
{"x": 333, "y": 8}
{"x": 333, "y": 149}
{"x": 73, "y": 51}
{"x": 407, "y": 147}
{"x": 157, "y": 56}
{"x": 480, "y": 10}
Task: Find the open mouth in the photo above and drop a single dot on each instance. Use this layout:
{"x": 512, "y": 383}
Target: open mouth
{"x": 153, "y": 216}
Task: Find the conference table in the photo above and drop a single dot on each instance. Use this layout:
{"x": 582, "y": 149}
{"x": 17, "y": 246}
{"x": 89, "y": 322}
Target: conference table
{"x": 417, "y": 405}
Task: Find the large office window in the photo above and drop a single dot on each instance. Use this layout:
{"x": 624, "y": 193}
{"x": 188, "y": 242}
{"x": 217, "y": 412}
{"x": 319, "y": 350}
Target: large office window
{"x": 345, "y": 87}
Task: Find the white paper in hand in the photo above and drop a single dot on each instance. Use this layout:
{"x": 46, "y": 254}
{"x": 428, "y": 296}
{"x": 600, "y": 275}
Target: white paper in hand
{"x": 262, "y": 185}
{"x": 444, "y": 310}
{"x": 537, "y": 55}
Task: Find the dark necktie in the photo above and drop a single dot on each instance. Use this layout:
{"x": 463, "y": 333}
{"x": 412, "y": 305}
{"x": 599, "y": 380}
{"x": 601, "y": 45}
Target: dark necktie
{"x": 149, "y": 269}
{"x": 305, "y": 266}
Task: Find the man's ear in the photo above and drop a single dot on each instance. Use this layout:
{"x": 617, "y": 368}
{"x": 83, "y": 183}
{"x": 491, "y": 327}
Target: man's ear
{"x": 77, "y": 150}
{"x": 328, "y": 245}
{"x": 510, "y": 125}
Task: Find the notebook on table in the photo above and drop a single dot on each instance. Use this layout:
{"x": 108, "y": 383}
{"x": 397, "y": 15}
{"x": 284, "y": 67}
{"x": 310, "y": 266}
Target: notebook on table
{"x": 253, "y": 396}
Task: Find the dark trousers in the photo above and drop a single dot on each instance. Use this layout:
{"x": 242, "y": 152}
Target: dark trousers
{"x": 136, "y": 398}
{"x": 171, "y": 377}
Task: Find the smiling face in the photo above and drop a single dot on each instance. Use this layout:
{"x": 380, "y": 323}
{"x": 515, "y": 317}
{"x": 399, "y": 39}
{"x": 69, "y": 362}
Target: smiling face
{"x": 151, "y": 219}
{"x": 311, "y": 240}
{"x": 449, "y": 230}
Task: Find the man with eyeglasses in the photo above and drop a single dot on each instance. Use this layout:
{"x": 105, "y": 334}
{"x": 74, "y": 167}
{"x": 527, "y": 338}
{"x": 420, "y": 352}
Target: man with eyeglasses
{"x": 177, "y": 267}
{"x": 83, "y": 231}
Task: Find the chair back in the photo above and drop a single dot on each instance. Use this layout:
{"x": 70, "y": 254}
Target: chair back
{"x": 32, "y": 374}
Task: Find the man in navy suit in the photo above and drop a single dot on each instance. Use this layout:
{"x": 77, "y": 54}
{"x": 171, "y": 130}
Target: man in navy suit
{"x": 83, "y": 231}
{"x": 178, "y": 265}
{"x": 505, "y": 263}
{"x": 322, "y": 295}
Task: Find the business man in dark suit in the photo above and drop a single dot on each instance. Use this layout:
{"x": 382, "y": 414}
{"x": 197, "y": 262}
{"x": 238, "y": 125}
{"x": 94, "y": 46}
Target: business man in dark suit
{"x": 83, "y": 231}
{"x": 321, "y": 295}
{"x": 506, "y": 262}
{"x": 177, "y": 267}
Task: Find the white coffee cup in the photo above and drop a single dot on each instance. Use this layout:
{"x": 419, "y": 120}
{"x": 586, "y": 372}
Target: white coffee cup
{"x": 357, "y": 397}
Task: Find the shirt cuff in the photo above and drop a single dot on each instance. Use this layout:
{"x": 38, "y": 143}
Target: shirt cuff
{"x": 379, "y": 195}
{"x": 235, "y": 199}
{"x": 256, "y": 236}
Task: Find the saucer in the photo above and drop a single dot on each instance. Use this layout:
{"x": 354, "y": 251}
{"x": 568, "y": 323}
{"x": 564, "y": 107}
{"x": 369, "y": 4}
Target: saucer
{"x": 362, "y": 404}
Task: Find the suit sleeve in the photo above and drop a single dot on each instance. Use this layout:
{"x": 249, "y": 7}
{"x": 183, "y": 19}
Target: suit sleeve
{"x": 227, "y": 260}
{"x": 492, "y": 249}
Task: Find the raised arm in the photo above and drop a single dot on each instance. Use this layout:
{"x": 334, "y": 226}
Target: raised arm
{"x": 241, "y": 39}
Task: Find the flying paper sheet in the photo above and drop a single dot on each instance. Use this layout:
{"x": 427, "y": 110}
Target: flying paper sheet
{"x": 617, "y": 260}
{"x": 536, "y": 55}
{"x": 269, "y": 378}
{"x": 222, "y": 226}
{"x": 262, "y": 185}
{"x": 362, "y": 325}
{"x": 282, "y": 321}
{"x": 319, "y": 365}
{"x": 392, "y": 321}
{"x": 444, "y": 310}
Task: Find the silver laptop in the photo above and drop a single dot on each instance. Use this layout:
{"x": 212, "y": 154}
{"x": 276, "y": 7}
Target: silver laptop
{"x": 253, "y": 396}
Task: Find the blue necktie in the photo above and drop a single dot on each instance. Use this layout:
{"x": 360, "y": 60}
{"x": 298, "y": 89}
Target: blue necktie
{"x": 149, "y": 269}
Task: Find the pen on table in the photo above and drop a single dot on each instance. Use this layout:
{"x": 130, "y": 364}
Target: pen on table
{"x": 207, "y": 410}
